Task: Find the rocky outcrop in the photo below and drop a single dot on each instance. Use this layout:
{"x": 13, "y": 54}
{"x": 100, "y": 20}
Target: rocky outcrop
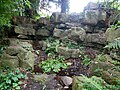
{"x": 112, "y": 34}
{"x": 104, "y": 67}
{"x": 75, "y": 33}
{"x": 58, "y": 17}
{"x": 18, "y": 54}
{"x": 22, "y": 20}
{"x": 30, "y": 31}
{"x": 84, "y": 83}
{"x": 67, "y": 53}
{"x": 8, "y": 60}
{"x": 58, "y": 32}
{"x": 92, "y": 17}
{"x": 24, "y": 30}
{"x": 96, "y": 38}
{"x": 48, "y": 82}
{"x": 43, "y": 32}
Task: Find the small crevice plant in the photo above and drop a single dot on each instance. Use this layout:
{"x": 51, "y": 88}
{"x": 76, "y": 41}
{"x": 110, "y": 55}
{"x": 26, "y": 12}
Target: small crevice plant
{"x": 86, "y": 60}
{"x": 52, "y": 46}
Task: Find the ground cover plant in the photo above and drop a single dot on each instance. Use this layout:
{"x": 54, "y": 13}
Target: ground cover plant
{"x": 11, "y": 79}
{"x": 53, "y": 64}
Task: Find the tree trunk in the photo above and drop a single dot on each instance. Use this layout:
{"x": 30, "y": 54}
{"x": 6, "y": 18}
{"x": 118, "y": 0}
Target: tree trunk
{"x": 64, "y": 6}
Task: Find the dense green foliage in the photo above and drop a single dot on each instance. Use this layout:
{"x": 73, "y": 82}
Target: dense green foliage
{"x": 53, "y": 64}
{"x": 117, "y": 25}
{"x": 86, "y": 60}
{"x": 11, "y": 80}
{"x": 111, "y": 4}
{"x": 10, "y": 8}
{"x": 52, "y": 46}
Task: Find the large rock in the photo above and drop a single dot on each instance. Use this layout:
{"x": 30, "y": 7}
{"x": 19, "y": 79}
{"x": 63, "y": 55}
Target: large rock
{"x": 93, "y": 16}
{"x": 75, "y": 34}
{"x": 48, "y": 82}
{"x": 112, "y": 34}
{"x": 96, "y": 38}
{"x": 43, "y": 32}
{"x": 91, "y": 6}
{"x": 103, "y": 62}
{"x": 25, "y": 30}
{"x": 13, "y": 41}
{"x": 58, "y": 32}
{"x": 8, "y": 60}
{"x": 26, "y": 45}
{"x": 74, "y": 53}
{"x": 42, "y": 45}
{"x": 18, "y": 54}
{"x": 75, "y": 17}
{"x": 104, "y": 68}
{"x": 26, "y": 59}
{"x": 66, "y": 80}
{"x": 79, "y": 83}
{"x": 22, "y": 20}
{"x": 111, "y": 76}
{"x": 59, "y": 17}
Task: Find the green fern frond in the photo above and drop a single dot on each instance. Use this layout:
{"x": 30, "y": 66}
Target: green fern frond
{"x": 114, "y": 45}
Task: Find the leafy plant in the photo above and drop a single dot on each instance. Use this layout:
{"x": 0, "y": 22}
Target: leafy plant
{"x": 52, "y": 46}
{"x": 110, "y": 4}
{"x": 53, "y": 64}
{"x": 97, "y": 83}
{"x": 7, "y": 10}
{"x": 86, "y": 60}
{"x": 10, "y": 80}
{"x": 10, "y": 8}
{"x": 117, "y": 25}
{"x": 114, "y": 45}
{"x": 100, "y": 57}
{"x": 1, "y": 49}
{"x": 23, "y": 5}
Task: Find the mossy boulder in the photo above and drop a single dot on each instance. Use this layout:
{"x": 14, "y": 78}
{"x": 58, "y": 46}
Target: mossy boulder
{"x": 67, "y": 53}
{"x": 85, "y": 83}
{"x": 104, "y": 67}
{"x": 18, "y": 54}
{"x": 8, "y": 60}
{"x": 112, "y": 34}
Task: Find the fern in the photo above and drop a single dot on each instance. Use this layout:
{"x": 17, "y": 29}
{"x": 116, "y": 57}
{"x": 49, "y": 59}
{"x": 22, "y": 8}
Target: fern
{"x": 92, "y": 83}
{"x": 114, "y": 45}
{"x": 97, "y": 83}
